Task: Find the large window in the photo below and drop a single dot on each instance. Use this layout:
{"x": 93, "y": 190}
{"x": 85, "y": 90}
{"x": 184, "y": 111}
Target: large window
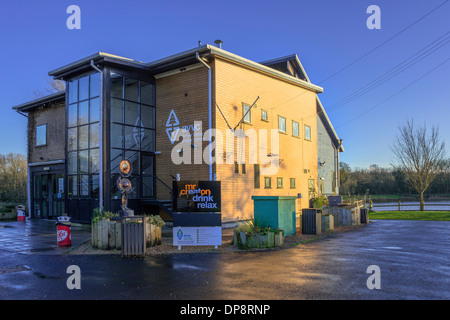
{"x": 132, "y": 133}
{"x": 83, "y": 136}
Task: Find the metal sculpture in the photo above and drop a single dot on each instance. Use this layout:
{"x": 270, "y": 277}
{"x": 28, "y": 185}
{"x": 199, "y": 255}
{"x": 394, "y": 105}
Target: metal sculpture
{"x": 125, "y": 186}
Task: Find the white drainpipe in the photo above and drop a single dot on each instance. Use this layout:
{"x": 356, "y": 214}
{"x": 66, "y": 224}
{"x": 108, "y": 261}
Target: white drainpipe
{"x": 209, "y": 110}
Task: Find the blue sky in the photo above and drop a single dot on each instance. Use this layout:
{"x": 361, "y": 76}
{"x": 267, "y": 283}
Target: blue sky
{"x": 327, "y": 36}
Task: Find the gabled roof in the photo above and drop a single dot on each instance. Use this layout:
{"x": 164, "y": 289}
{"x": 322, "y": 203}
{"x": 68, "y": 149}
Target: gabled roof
{"x": 289, "y": 64}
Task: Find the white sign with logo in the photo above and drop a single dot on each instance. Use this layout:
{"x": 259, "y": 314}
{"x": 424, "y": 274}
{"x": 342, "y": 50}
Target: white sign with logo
{"x": 197, "y": 236}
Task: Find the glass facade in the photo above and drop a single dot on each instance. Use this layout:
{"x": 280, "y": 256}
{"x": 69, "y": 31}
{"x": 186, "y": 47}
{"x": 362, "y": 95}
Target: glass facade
{"x": 83, "y": 132}
{"x": 132, "y": 134}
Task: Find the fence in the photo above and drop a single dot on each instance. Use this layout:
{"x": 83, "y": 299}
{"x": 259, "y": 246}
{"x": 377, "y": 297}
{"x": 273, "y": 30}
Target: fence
{"x": 133, "y": 236}
{"x": 405, "y": 206}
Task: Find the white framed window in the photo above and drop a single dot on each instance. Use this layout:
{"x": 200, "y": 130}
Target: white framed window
{"x": 307, "y": 132}
{"x": 264, "y": 116}
{"x": 41, "y": 135}
{"x": 281, "y": 124}
{"x": 295, "y": 129}
{"x": 247, "y": 113}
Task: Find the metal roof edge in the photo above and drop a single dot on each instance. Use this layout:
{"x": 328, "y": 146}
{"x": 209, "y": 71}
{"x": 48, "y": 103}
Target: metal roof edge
{"x": 323, "y": 115}
{"x": 49, "y": 98}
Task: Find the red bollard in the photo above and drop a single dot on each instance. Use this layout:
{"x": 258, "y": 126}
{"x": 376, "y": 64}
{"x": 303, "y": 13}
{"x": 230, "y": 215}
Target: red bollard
{"x": 63, "y": 231}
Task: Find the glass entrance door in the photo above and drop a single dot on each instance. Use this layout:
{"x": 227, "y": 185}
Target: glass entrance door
{"x": 48, "y": 195}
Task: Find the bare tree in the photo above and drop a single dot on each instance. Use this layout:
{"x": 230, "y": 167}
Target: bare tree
{"x": 420, "y": 157}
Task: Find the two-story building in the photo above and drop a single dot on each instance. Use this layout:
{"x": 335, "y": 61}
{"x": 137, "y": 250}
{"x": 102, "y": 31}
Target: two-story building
{"x": 259, "y": 128}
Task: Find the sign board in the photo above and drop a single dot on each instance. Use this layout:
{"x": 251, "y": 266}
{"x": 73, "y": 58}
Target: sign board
{"x": 196, "y": 196}
{"x": 197, "y": 236}
{"x": 197, "y": 229}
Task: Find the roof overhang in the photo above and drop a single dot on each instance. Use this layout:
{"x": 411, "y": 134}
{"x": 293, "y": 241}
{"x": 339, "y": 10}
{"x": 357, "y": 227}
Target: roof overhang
{"x": 99, "y": 59}
{"x": 207, "y": 51}
{"x": 41, "y": 102}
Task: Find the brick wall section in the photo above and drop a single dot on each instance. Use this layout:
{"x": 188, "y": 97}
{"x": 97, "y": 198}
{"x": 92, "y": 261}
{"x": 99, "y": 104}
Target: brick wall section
{"x": 187, "y": 94}
{"x": 54, "y": 117}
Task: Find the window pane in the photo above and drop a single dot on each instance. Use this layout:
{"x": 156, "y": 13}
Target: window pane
{"x": 116, "y": 110}
{"x": 116, "y": 157}
{"x": 267, "y": 182}
{"x": 116, "y": 136}
{"x": 134, "y": 158}
{"x": 116, "y": 85}
{"x": 83, "y": 133}
{"x": 132, "y": 137}
{"x": 147, "y": 93}
{"x": 281, "y": 124}
{"x": 295, "y": 131}
{"x": 292, "y": 183}
{"x": 84, "y": 164}
{"x": 73, "y": 91}
{"x": 94, "y": 161}
{"x": 279, "y": 183}
{"x": 264, "y": 115}
{"x": 132, "y": 89}
{"x": 72, "y": 164}
{"x": 247, "y": 117}
{"x": 94, "y": 110}
{"x": 148, "y": 140}
{"x": 83, "y": 114}
{"x": 147, "y": 165}
{"x": 95, "y": 186}
{"x": 307, "y": 132}
{"x": 132, "y": 113}
{"x": 147, "y": 186}
{"x": 95, "y": 85}
{"x": 84, "y": 185}
{"x": 256, "y": 176}
{"x": 73, "y": 186}
{"x": 72, "y": 115}
{"x": 72, "y": 139}
{"x": 148, "y": 116}
{"x": 94, "y": 132}
{"x": 41, "y": 135}
{"x": 83, "y": 92}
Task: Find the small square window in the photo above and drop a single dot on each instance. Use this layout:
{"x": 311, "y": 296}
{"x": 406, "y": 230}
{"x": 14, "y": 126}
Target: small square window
{"x": 281, "y": 124}
{"x": 247, "y": 113}
{"x": 264, "y": 116}
{"x": 267, "y": 182}
{"x": 295, "y": 129}
{"x": 41, "y": 135}
{"x": 307, "y": 132}
{"x": 279, "y": 183}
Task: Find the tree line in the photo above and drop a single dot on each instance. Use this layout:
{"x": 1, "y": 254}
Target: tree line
{"x": 377, "y": 180}
{"x": 13, "y": 177}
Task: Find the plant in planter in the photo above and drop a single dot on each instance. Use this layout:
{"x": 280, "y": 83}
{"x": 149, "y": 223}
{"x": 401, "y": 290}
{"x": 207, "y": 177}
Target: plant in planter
{"x": 153, "y": 229}
{"x": 249, "y": 235}
{"x": 105, "y": 232}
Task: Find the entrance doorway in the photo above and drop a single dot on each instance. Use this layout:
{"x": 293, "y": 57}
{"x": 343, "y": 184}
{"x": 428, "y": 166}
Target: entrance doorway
{"x": 48, "y": 195}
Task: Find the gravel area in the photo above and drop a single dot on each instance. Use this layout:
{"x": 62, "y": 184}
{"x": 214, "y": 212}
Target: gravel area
{"x": 166, "y": 247}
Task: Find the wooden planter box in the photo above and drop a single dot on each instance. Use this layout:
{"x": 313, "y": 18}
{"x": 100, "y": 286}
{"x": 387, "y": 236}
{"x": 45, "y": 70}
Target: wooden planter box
{"x": 270, "y": 239}
{"x": 106, "y": 234}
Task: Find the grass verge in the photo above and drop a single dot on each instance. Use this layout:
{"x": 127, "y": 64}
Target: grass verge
{"x": 410, "y": 215}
